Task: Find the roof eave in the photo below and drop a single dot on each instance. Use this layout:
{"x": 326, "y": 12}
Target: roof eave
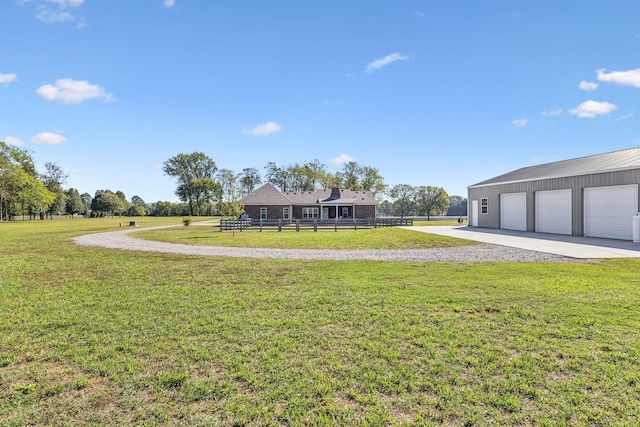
{"x": 553, "y": 177}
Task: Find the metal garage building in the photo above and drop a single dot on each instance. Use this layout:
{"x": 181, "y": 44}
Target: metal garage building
{"x": 594, "y": 196}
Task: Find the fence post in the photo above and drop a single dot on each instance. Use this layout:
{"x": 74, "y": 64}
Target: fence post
{"x": 315, "y": 224}
{"x": 297, "y": 225}
{"x": 279, "y": 224}
{"x": 335, "y": 224}
{"x": 261, "y": 225}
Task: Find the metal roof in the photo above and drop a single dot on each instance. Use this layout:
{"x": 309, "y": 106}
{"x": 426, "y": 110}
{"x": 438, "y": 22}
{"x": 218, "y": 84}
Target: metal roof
{"x": 599, "y": 163}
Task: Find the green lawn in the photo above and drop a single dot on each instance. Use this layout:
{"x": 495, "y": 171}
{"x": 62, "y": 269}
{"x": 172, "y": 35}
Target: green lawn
{"x": 92, "y": 336}
{"x": 364, "y": 238}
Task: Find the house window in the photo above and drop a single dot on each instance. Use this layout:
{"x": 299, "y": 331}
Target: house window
{"x": 309, "y": 213}
{"x": 285, "y": 213}
{"x": 263, "y": 213}
{"x": 484, "y": 205}
{"x": 345, "y": 212}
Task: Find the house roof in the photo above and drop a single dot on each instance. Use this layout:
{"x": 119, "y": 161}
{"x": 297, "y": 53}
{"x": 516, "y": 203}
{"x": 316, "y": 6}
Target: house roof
{"x": 599, "y": 163}
{"x": 266, "y": 195}
{"x": 269, "y": 195}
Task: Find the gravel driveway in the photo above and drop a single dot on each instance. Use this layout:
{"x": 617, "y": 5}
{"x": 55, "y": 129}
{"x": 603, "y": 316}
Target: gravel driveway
{"x": 477, "y": 253}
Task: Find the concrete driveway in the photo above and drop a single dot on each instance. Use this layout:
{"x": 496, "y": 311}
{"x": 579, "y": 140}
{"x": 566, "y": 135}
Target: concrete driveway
{"x": 569, "y": 246}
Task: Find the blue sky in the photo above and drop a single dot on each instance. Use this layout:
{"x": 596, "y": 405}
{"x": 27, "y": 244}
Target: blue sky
{"x": 442, "y": 93}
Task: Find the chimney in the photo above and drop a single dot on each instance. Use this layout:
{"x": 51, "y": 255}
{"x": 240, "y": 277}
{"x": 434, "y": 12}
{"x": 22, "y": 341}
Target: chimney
{"x": 335, "y": 193}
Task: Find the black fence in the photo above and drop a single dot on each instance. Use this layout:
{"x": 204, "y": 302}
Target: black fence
{"x": 311, "y": 224}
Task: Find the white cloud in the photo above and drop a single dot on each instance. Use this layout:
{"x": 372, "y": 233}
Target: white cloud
{"x": 419, "y": 14}
{"x": 49, "y": 138}
{"x": 585, "y": 85}
{"x": 156, "y": 166}
{"x": 264, "y": 129}
{"x": 58, "y": 12}
{"x": 8, "y": 78}
{"x": 520, "y": 123}
{"x": 341, "y": 160}
{"x": 623, "y": 78}
{"x": 50, "y": 16}
{"x": 12, "y": 140}
{"x": 552, "y": 113}
{"x": 625, "y": 116}
{"x": 590, "y": 109}
{"x": 169, "y": 3}
{"x": 70, "y": 91}
{"x": 381, "y": 62}
{"x": 66, "y": 3}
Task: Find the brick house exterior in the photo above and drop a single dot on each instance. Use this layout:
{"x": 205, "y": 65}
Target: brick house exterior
{"x": 268, "y": 203}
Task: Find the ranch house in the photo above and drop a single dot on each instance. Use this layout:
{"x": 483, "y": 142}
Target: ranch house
{"x": 269, "y": 203}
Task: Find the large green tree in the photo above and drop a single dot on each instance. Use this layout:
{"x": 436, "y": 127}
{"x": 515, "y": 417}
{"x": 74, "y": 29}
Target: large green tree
{"x": 371, "y": 180}
{"x": 137, "y": 207}
{"x": 53, "y": 178}
{"x": 195, "y": 174}
{"x": 249, "y": 179}
{"x": 86, "y": 201}
{"x": 21, "y": 190}
{"x": 107, "y": 202}
{"x": 431, "y": 200}
{"x": 277, "y": 176}
{"x": 74, "y": 204}
{"x": 350, "y": 176}
{"x": 403, "y": 199}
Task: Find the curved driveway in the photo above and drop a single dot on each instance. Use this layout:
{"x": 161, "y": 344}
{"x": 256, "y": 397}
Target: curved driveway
{"x": 476, "y": 253}
{"x": 569, "y": 246}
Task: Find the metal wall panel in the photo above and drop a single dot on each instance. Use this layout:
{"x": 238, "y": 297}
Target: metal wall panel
{"x": 576, "y": 183}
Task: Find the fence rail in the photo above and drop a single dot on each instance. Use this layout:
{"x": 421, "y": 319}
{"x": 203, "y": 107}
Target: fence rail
{"x": 311, "y": 224}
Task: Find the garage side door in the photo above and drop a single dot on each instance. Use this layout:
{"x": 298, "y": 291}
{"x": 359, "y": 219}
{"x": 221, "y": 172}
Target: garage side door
{"x": 553, "y": 211}
{"x": 608, "y": 211}
{"x": 474, "y": 214}
{"x": 513, "y": 211}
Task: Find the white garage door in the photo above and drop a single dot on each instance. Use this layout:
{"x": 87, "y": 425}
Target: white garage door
{"x": 608, "y": 211}
{"x": 513, "y": 211}
{"x": 553, "y": 211}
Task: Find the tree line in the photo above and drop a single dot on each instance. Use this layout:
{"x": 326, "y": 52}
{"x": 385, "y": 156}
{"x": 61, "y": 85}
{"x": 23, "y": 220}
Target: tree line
{"x": 200, "y": 183}
{"x": 202, "y": 189}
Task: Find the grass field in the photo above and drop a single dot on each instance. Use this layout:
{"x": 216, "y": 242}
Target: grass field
{"x": 378, "y": 238}
{"x": 91, "y": 336}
